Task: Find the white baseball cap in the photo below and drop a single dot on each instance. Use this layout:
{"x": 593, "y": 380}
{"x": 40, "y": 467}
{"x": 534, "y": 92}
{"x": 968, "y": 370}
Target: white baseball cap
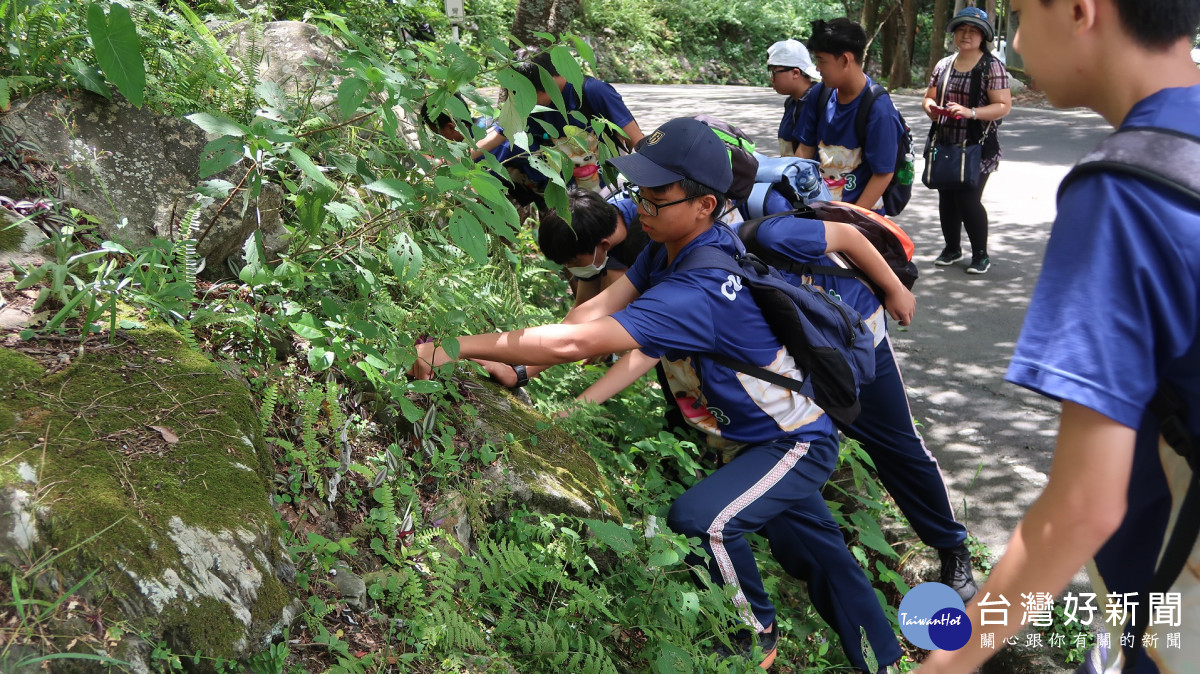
{"x": 793, "y": 54}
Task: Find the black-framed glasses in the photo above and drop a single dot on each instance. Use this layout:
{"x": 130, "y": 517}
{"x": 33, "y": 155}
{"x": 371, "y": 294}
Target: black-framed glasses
{"x": 650, "y": 207}
{"x": 775, "y": 71}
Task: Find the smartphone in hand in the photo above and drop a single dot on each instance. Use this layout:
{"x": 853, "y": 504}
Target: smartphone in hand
{"x": 939, "y": 110}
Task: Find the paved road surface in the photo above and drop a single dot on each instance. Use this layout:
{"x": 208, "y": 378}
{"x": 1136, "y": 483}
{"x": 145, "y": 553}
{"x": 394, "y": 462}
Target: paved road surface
{"x": 993, "y": 440}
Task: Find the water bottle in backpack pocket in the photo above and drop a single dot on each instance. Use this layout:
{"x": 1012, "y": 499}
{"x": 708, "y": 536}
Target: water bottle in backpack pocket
{"x": 797, "y": 179}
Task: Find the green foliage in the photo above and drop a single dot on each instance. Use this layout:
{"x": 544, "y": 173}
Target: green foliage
{"x": 118, "y": 50}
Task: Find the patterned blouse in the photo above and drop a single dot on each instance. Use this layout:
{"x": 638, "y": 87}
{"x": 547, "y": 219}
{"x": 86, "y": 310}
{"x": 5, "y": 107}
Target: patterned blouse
{"x": 995, "y": 76}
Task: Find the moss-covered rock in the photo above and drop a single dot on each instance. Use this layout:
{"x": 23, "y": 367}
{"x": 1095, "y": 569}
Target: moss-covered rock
{"x": 144, "y": 463}
{"x": 543, "y": 468}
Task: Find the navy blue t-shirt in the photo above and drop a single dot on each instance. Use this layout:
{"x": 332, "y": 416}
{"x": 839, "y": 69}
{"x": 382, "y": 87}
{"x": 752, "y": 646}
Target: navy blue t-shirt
{"x": 848, "y": 162}
{"x": 683, "y": 317}
{"x": 1114, "y": 316}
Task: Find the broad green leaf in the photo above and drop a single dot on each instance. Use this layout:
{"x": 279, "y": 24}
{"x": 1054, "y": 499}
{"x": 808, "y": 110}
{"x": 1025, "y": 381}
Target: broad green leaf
{"x": 424, "y": 386}
{"x": 566, "y": 66}
{"x": 664, "y": 558}
{"x": 344, "y": 212}
{"x": 118, "y": 50}
{"x": 551, "y": 89}
{"x": 584, "y": 49}
{"x": 521, "y": 92}
{"x": 5, "y": 101}
{"x": 672, "y": 660}
{"x": 218, "y": 126}
{"x": 616, "y": 537}
{"x": 217, "y": 189}
{"x": 219, "y": 155}
{"x": 541, "y": 163}
{"x": 319, "y": 359}
{"x": 87, "y": 76}
{"x": 396, "y": 189}
{"x": 310, "y": 169}
{"x": 870, "y": 534}
{"x": 405, "y": 256}
{"x": 350, "y": 96}
{"x": 306, "y": 331}
{"x": 468, "y": 234}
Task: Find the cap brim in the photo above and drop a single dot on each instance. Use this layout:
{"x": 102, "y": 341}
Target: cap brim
{"x": 975, "y": 22}
{"x": 642, "y": 172}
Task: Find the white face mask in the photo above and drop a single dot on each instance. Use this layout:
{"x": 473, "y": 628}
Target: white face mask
{"x": 591, "y": 270}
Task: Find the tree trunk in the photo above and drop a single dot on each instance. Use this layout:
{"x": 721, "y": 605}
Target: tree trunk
{"x": 544, "y": 16}
{"x": 937, "y": 40}
{"x": 900, "y": 72}
{"x": 887, "y": 35}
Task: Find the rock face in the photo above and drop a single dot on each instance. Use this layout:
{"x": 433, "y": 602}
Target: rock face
{"x": 143, "y": 462}
{"x": 133, "y": 169}
{"x": 295, "y": 55}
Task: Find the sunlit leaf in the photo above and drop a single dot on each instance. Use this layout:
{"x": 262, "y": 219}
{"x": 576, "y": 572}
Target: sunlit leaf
{"x": 118, "y": 50}
{"x": 467, "y": 233}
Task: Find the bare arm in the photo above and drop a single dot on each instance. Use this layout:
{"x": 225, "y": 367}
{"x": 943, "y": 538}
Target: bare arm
{"x": 612, "y": 299}
{"x": 874, "y": 190}
{"x": 492, "y": 140}
{"x": 1082, "y": 505}
{"x": 898, "y": 300}
{"x": 635, "y": 134}
{"x": 806, "y": 151}
{"x": 586, "y": 290}
{"x": 930, "y": 99}
{"x": 541, "y": 345}
{"x": 1001, "y": 105}
{"x": 626, "y": 371}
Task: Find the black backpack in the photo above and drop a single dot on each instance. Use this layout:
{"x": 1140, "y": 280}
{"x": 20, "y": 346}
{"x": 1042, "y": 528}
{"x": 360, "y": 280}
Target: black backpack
{"x": 892, "y": 242}
{"x": 827, "y": 338}
{"x": 899, "y": 190}
{"x": 1140, "y": 151}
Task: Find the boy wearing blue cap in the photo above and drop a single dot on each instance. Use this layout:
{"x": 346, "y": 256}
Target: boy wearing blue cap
{"x": 1112, "y": 332}
{"x": 787, "y": 447}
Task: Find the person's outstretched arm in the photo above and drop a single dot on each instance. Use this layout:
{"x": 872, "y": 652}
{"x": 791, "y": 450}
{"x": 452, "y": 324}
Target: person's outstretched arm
{"x": 623, "y": 373}
{"x": 541, "y": 345}
{"x": 1082, "y": 506}
{"x": 846, "y": 239}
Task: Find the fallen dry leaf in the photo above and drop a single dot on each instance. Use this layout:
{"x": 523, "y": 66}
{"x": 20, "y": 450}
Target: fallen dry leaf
{"x": 167, "y": 434}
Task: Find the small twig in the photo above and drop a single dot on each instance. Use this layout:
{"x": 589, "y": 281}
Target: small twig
{"x": 225, "y": 203}
{"x": 336, "y": 126}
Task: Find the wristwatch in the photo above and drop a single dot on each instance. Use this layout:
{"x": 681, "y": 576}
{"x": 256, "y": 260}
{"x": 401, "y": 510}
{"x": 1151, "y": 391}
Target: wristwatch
{"x": 974, "y": 115}
{"x": 522, "y": 376}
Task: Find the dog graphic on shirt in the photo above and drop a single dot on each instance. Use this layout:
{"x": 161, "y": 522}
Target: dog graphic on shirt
{"x": 837, "y": 166}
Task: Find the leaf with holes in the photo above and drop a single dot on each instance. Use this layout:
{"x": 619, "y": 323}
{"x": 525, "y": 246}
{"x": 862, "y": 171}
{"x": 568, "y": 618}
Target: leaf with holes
{"x": 468, "y": 234}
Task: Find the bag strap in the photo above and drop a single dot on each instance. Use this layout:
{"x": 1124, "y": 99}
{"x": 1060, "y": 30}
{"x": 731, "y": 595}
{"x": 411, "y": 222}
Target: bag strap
{"x": 711, "y": 257}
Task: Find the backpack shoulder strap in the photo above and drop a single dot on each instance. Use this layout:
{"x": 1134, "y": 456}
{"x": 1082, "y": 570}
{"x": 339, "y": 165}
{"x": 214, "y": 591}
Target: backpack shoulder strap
{"x": 863, "y": 114}
{"x": 1139, "y": 151}
{"x": 823, "y": 96}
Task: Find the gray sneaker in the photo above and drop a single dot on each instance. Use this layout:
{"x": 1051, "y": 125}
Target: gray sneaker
{"x": 956, "y": 571}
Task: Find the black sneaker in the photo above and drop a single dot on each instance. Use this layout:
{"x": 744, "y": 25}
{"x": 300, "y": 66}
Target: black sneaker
{"x": 744, "y": 647}
{"x": 948, "y": 257}
{"x": 956, "y": 571}
{"x": 979, "y": 264}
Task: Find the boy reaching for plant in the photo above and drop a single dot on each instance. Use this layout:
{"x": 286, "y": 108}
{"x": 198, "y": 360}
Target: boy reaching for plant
{"x": 788, "y": 446}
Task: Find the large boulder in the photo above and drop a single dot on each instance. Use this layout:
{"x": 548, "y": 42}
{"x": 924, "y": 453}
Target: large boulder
{"x": 142, "y": 463}
{"x": 133, "y": 170}
{"x": 293, "y": 54}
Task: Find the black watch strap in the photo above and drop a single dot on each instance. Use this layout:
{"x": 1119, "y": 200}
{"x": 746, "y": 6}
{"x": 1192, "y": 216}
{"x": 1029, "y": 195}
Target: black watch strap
{"x": 522, "y": 376}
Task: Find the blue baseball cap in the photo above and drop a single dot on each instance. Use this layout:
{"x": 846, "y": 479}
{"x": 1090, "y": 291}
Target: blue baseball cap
{"x": 972, "y": 16}
{"x": 681, "y": 148}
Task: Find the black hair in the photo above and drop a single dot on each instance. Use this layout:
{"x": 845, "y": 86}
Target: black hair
{"x": 530, "y": 69}
{"x": 837, "y": 37}
{"x": 592, "y": 219}
{"x": 1157, "y": 24}
{"x": 444, "y": 117}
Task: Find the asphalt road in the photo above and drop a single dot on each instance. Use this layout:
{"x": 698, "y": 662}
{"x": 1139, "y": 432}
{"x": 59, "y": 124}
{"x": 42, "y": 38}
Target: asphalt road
{"x": 993, "y": 440}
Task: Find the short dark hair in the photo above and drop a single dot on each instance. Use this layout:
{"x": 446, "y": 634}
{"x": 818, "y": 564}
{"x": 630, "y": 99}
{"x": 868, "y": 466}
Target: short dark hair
{"x": 529, "y": 69}
{"x": 592, "y": 219}
{"x": 1156, "y": 24}
{"x": 837, "y": 37}
{"x": 444, "y": 117}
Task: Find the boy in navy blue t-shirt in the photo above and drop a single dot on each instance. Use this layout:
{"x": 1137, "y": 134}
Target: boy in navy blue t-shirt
{"x": 1114, "y": 318}
{"x": 856, "y": 170}
{"x": 787, "y": 444}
